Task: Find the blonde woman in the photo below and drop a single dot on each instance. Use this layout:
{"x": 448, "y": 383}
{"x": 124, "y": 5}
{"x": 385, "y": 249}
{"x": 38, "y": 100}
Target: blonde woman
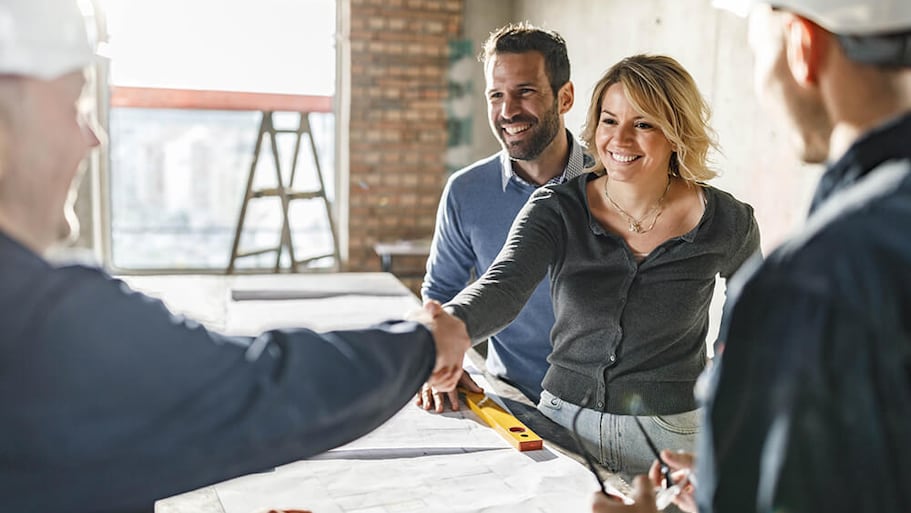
{"x": 633, "y": 251}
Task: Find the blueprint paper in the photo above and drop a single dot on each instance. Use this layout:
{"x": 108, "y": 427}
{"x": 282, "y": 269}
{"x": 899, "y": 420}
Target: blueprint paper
{"x": 421, "y": 462}
{"x": 502, "y": 480}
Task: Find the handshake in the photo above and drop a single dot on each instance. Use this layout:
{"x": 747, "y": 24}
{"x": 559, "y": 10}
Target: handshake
{"x": 451, "y": 339}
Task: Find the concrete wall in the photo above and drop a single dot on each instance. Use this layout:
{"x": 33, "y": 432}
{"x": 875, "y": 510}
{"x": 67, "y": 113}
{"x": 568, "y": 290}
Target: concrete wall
{"x": 757, "y": 163}
{"x": 481, "y": 18}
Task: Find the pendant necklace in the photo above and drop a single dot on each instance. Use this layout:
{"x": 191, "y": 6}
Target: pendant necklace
{"x": 635, "y": 225}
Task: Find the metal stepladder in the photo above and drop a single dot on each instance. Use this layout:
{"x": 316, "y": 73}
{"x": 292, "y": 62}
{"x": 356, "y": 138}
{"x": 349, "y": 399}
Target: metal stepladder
{"x": 285, "y": 193}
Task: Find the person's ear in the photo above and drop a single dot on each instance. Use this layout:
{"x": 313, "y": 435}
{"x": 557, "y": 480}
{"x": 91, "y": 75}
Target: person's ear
{"x": 565, "y": 97}
{"x": 805, "y": 44}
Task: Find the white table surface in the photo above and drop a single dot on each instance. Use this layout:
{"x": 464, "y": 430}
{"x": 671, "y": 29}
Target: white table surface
{"x": 342, "y": 301}
{"x": 333, "y": 301}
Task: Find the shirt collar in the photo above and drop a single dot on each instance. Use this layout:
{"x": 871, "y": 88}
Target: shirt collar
{"x": 885, "y": 142}
{"x": 577, "y": 164}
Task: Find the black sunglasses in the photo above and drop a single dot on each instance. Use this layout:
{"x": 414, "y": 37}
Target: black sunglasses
{"x": 589, "y": 459}
{"x": 665, "y": 469}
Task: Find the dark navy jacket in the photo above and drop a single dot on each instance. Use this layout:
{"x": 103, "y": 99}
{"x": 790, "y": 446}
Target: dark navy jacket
{"x": 809, "y": 408}
{"x": 108, "y": 401}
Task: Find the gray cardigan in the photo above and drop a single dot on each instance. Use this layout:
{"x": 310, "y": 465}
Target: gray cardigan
{"x": 631, "y": 333}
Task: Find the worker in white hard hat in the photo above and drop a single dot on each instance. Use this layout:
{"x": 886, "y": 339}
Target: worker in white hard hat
{"x": 107, "y": 401}
{"x": 808, "y": 408}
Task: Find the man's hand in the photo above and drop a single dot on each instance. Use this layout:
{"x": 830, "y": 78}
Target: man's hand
{"x": 452, "y": 341}
{"x": 682, "y": 465}
{"x": 643, "y": 497}
{"x": 429, "y": 397}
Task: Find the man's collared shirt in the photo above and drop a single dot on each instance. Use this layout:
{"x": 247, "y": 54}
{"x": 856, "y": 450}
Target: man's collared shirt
{"x": 578, "y": 162}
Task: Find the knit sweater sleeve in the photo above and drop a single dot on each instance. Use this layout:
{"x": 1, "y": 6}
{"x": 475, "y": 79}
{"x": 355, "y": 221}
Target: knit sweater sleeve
{"x": 492, "y": 302}
{"x": 452, "y": 257}
{"x": 744, "y": 239}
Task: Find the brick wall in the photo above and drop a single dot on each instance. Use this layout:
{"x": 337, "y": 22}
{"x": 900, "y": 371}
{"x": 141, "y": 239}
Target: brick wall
{"x": 399, "y": 59}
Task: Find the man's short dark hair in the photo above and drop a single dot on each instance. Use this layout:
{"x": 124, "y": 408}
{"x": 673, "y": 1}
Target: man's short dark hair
{"x": 525, "y": 37}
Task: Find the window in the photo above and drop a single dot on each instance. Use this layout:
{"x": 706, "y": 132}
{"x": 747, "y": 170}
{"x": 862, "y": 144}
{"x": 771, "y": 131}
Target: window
{"x": 178, "y": 175}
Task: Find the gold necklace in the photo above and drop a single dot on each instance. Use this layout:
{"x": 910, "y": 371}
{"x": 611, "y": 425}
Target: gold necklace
{"x": 635, "y": 225}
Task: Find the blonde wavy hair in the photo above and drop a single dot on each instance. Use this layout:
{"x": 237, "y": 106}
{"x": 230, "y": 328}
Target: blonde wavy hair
{"x": 662, "y": 90}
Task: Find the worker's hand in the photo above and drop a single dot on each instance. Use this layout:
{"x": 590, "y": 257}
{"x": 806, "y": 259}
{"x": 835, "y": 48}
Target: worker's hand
{"x": 643, "y": 500}
{"x": 682, "y": 465}
{"x": 452, "y": 341}
{"x": 430, "y": 398}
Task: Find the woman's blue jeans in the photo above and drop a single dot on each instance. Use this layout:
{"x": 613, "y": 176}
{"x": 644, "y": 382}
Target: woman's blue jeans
{"x": 616, "y": 441}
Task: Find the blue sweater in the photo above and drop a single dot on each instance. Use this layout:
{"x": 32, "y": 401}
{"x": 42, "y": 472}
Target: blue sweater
{"x": 476, "y": 211}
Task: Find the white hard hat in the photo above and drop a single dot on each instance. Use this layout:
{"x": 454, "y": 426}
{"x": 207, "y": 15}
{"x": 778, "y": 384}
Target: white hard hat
{"x": 843, "y": 17}
{"x": 42, "y": 38}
